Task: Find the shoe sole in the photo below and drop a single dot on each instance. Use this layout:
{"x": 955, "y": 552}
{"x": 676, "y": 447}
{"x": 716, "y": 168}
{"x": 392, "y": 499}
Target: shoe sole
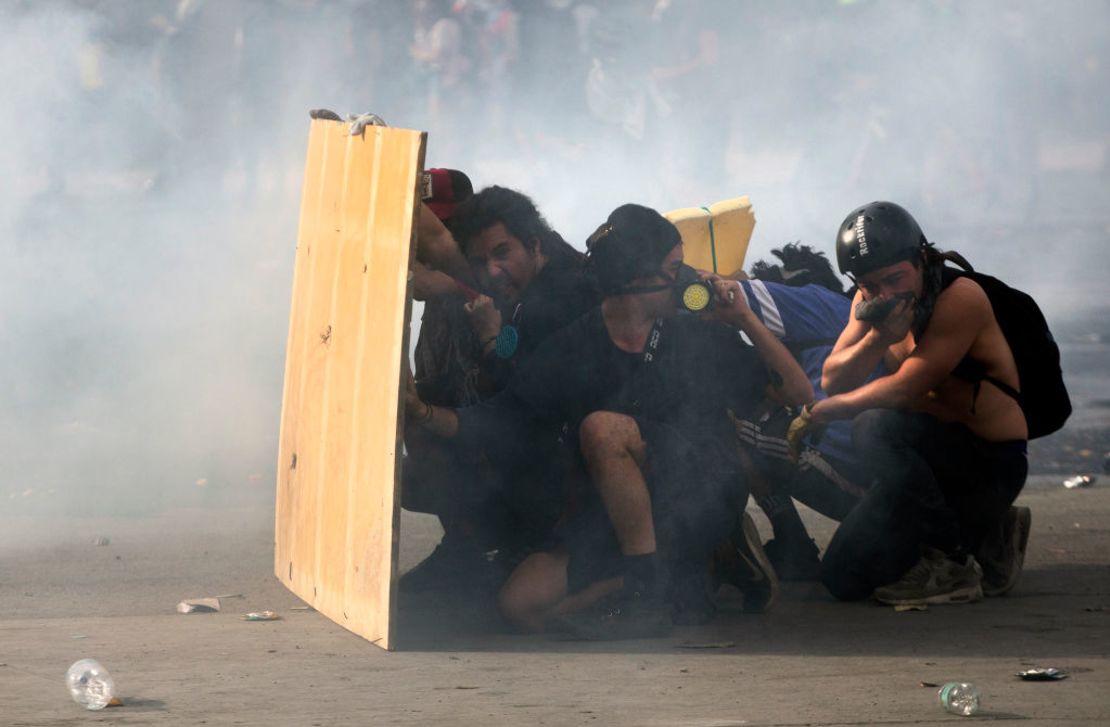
{"x": 758, "y": 562}
{"x": 1022, "y": 524}
{"x": 968, "y": 594}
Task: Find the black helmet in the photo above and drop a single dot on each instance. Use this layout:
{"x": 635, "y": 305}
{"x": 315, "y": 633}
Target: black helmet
{"x": 876, "y": 235}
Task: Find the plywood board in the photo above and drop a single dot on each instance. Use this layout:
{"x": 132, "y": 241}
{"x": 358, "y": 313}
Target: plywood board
{"x": 336, "y": 526}
{"x": 716, "y": 237}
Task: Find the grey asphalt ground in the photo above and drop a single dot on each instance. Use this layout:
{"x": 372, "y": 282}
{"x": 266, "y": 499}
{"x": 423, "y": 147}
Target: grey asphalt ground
{"x": 809, "y": 661}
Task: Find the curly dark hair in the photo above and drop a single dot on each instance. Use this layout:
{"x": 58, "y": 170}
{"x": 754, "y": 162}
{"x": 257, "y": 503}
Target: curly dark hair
{"x": 801, "y": 265}
{"x": 517, "y": 212}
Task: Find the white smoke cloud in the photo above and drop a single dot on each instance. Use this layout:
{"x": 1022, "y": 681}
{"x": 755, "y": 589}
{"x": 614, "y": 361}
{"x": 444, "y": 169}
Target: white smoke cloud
{"x": 152, "y": 157}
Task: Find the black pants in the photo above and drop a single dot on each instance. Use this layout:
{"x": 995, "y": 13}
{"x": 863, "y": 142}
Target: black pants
{"x": 502, "y": 505}
{"x": 829, "y": 485}
{"x": 934, "y": 484}
{"x": 697, "y": 495}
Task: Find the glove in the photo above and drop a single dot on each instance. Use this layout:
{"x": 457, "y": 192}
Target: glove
{"x": 797, "y": 432}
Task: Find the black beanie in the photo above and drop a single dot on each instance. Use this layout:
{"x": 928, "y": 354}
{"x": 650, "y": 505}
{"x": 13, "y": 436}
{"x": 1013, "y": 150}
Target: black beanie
{"x": 631, "y": 244}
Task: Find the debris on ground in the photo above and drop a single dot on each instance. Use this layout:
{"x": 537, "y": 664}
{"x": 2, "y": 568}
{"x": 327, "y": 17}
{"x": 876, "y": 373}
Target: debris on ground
{"x": 261, "y": 616}
{"x": 1080, "y": 481}
{"x": 199, "y": 605}
{"x": 711, "y": 645}
{"x": 90, "y": 684}
{"x": 302, "y": 608}
{"x": 1042, "y": 674}
{"x": 928, "y": 684}
{"x": 960, "y": 698}
{"x": 100, "y": 540}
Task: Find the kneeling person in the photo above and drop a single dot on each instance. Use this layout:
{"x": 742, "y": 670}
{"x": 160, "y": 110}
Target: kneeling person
{"x": 943, "y": 432}
{"x": 644, "y": 394}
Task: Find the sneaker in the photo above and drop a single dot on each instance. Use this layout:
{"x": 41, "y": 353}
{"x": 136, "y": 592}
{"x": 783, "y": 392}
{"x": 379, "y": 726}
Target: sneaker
{"x": 935, "y": 579}
{"x": 746, "y": 567}
{"x": 794, "y": 560}
{"x": 1002, "y": 554}
{"x": 621, "y": 615}
{"x": 451, "y": 566}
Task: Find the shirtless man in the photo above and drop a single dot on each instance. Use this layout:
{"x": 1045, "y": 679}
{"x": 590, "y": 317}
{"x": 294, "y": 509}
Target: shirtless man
{"x": 947, "y": 446}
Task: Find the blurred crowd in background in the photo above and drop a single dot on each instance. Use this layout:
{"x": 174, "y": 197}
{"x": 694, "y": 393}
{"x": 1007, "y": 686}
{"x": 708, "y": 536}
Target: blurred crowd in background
{"x": 697, "y": 95}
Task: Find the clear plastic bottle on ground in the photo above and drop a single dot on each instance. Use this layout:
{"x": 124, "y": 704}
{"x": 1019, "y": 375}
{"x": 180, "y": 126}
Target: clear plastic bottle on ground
{"x": 959, "y": 698}
{"x": 90, "y": 684}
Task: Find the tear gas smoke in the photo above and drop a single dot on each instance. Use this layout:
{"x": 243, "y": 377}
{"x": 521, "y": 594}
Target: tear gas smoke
{"x": 152, "y": 156}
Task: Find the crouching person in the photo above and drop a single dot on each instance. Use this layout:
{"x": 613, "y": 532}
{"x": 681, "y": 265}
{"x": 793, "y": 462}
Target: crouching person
{"x": 801, "y": 301}
{"x": 943, "y": 432}
{"x": 650, "y": 391}
{"x": 643, "y": 395}
{"x": 536, "y": 284}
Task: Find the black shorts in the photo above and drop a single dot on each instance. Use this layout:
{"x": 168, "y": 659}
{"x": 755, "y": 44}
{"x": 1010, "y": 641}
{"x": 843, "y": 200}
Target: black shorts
{"x": 697, "y": 494}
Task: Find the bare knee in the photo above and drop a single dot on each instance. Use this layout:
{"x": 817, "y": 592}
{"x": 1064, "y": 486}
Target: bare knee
{"x": 605, "y": 435}
{"x": 533, "y": 590}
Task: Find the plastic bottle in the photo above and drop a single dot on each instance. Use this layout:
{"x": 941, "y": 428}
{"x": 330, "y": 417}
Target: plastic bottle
{"x": 959, "y": 698}
{"x": 90, "y": 684}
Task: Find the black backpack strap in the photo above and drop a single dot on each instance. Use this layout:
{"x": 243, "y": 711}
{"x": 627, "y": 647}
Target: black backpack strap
{"x": 1004, "y": 388}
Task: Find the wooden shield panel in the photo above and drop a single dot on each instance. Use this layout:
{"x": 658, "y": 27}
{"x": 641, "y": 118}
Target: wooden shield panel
{"x": 715, "y": 237}
{"x": 340, "y": 443}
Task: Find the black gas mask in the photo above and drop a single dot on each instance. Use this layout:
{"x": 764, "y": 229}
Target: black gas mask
{"x": 692, "y": 294}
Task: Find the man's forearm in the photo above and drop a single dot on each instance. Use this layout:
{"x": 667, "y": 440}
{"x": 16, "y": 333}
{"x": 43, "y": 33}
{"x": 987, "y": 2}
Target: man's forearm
{"x": 795, "y": 387}
{"x": 437, "y": 420}
{"x": 436, "y": 247}
{"x": 428, "y": 283}
{"x": 849, "y": 367}
{"x": 904, "y": 389}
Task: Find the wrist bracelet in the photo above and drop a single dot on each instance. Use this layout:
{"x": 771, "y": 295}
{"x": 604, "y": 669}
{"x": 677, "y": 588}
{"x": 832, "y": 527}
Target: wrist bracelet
{"x": 427, "y": 415}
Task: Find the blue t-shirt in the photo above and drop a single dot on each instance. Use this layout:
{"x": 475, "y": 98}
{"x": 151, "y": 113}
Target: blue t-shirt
{"x": 808, "y": 320}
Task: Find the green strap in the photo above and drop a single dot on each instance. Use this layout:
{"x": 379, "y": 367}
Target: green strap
{"x": 712, "y": 240}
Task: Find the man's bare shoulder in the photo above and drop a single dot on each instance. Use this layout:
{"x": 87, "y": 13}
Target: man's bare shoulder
{"x": 961, "y": 309}
{"x": 964, "y": 294}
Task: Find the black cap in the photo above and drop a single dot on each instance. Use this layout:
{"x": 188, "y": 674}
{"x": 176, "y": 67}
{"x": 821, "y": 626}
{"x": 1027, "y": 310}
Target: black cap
{"x": 632, "y": 243}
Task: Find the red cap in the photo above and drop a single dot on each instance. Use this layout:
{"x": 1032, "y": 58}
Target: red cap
{"x": 443, "y": 189}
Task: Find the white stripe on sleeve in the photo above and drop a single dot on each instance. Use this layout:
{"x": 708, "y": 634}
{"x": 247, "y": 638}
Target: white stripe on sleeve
{"x": 771, "y": 316}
